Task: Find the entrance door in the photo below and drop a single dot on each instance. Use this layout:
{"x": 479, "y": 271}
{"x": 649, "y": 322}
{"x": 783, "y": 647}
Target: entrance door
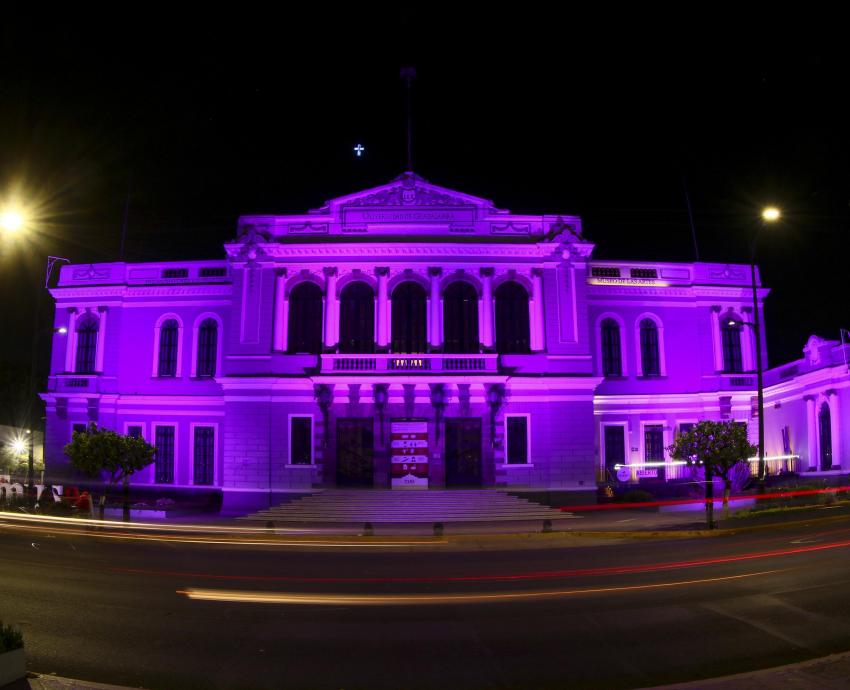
{"x": 615, "y": 449}
{"x": 355, "y": 450}
{"x": 653, "y": 452}
{"x": 463, "y": 451}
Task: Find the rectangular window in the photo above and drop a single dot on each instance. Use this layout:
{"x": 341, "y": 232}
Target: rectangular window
{"x": 175, "y": 273}
{"x": 653, "y": 452}
{"x": 134, "y": 431}
{"x": 204, "y": 455}
{"x": 605, "y": 272}
{"x": 643, "y": 273}
{"x": 210, "y": 272}
{"x": 685, "y": 427}
{"x": 786, "y": 440}
{"x": 516, "y": 428}
{"x": 78, "y": 428}
{"x": 164, "y": 455}
{"x": 300, "y": 440}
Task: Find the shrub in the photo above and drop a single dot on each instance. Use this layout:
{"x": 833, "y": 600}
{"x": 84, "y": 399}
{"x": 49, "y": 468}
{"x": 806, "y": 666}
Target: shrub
{"x": 10, "y": 638}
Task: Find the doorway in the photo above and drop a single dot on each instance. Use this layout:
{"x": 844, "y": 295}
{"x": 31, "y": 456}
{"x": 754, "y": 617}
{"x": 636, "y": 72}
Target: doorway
{"x": 355, "y": 451}
{"x": 463, "y": 451}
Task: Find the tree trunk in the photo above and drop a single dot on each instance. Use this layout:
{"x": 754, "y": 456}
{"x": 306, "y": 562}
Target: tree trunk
{"x": 126, "y": 499}
{"x": 727, "y": 489}
{"x": 709, "y": 496}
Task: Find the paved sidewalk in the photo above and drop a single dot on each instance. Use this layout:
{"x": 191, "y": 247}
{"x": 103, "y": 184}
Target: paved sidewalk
{"x": 826, "y": 673}
{"x": 48, "y": 682}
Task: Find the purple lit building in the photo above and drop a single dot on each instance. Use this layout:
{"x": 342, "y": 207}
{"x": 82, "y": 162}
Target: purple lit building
{"x": 326, "y": 344}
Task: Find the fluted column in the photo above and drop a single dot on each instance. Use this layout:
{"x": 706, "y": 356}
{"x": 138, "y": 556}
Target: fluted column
{"x": 281, "y": 316}
{"x": 331, "y": 309}
{"x": 382, "y": 335}
{"x": 538, "y": 338}
{"x": 435, "y": 336}
{"x": 812, "y": 432}
{"x": 835, "y": 427}
{"x": 486, "y": 328}
{"x": 101, "y": 340}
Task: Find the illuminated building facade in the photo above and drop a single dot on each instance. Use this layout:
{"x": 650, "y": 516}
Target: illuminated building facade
{"x": 510, "y": 356}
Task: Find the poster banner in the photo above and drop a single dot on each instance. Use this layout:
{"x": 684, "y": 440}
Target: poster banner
{"x": 409, "y": 453}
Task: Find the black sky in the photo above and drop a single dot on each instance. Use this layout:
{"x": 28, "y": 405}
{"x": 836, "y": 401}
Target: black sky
{"x": 209, "y": 117}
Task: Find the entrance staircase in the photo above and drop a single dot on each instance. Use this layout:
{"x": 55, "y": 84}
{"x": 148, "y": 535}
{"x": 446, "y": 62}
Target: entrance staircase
{"x": 400, "y": 507}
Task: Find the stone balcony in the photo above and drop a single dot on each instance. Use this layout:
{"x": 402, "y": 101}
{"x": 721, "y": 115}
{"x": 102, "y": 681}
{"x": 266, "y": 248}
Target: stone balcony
{"x": 406, "y": 364}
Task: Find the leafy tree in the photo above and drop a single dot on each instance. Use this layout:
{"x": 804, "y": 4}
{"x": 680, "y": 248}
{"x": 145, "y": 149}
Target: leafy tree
{"x": 101, "y": 451}
{"x": 718, "y": 447}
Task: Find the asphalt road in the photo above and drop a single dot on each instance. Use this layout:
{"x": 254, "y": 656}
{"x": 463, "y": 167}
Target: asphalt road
{"x": 624, "y": 615}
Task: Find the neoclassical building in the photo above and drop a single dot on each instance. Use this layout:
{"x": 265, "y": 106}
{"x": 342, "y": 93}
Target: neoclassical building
{"x": 405, "y": 336}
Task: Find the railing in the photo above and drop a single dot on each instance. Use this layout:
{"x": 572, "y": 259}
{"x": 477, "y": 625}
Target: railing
{"x": 399, "y": 364}
{"x": 76, "y": 382}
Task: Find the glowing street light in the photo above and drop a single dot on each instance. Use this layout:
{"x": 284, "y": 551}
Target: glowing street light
{"x": 11, "y": 221}
{"x": 18, "y": 446}
{"x": 770, "y": 214}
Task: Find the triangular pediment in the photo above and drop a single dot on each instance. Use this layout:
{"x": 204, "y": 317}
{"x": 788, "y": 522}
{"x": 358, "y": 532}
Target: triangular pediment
{"x": 408, "y": 190}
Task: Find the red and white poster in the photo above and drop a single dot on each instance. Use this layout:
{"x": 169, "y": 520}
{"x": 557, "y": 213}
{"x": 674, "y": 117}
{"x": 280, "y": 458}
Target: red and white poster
{"x": 409, "y": 454}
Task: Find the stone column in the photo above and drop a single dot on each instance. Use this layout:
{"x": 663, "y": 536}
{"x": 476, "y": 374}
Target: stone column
{"x": 748, "y": 341}
{"x": 715, "y": 336}
{"x": 538, "y": 337}
{"x": 101, "y": 340}
{"x": 281, "y": 311}
{"x": 486, "y": 335}
{"x": 382, "y": 326}
{"x": 331, "y": 309}
{"x": 835, "y": 427}
{"x": 812, "y": 432}
{"x": 71, "y": 341}
{"x": 436, "y": 331}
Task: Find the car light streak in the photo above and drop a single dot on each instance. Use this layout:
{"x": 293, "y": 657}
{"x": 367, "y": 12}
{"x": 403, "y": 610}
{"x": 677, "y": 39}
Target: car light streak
{"x": 235, "y": 596}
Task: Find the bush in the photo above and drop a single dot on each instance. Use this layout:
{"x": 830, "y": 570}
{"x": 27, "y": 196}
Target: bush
{"x": 10, "y": 638}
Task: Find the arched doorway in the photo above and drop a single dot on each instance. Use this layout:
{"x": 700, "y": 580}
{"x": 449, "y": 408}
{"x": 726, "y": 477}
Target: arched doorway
{"x": 825, "y": 428}
{"x": 409, "y": 320}
{"x": 460, "y": 319}
{"x": 357, "y": 319}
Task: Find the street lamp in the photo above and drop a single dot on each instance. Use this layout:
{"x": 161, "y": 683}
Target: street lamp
{"x": 769, "y": 214}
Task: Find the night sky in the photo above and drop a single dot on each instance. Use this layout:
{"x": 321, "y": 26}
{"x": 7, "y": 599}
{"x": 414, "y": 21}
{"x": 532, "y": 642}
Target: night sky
{"x": 607, "y": 117}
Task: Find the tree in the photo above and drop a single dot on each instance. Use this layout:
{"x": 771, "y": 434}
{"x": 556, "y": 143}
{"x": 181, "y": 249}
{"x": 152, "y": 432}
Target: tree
{"x": 98, "y": 451}
{"x": 718, "y": 447}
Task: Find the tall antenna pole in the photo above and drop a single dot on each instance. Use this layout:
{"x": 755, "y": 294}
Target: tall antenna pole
{"x": 690, "y": 217}
{"x": 409, "y": 74}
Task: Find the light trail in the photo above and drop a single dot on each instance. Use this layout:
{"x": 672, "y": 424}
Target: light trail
{"x": 292, "y": 598}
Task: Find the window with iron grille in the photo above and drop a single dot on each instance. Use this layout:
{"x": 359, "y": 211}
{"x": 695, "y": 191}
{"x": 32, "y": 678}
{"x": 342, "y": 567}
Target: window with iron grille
{"x": 605, "y": 272}
{"x": 212, "y": 272}
{"x": 207, "y": 348}
{"x": 643, "y": 273}
{"x": 175, "y": 273}
{"x": 164, "y": 457}
{"x": 611, "y": 361}
{"x": 168, "y": 336}
{"x": 731, "y": 338}
{"x": 204, "y": 452}
{"x": 87, "y": 329}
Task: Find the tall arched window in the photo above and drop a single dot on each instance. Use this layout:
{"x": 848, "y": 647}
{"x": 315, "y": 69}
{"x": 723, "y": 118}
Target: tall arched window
{"x": 304, "y": 328}
{"x": 168, "y": 334}
{"x": 207, "y": 348}
{"x": 612, "y": 363}
{"x": 357, "y": 319}
{"x": 513, "y": 334}
{"x": 731, "y": 339}
{"x": 649, "y": 354}
{"x": 825, "y": 429}
{"x": 409, "y": 320}
{"x": 87, "y": 329}
{"x": 460, "y": 319}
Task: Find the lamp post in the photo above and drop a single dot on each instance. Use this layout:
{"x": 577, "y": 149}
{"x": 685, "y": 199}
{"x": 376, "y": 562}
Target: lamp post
{"x": 769, "y": 215}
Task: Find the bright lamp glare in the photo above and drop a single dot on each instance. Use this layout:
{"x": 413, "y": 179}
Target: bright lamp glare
{"x": 18, "y": 446}
{"x": 771, "y": 214}
{"x": 11, "y": 221}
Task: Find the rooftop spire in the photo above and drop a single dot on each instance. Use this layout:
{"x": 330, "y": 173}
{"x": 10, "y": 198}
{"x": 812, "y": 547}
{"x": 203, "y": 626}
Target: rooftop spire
{"x": 409, "y": 74}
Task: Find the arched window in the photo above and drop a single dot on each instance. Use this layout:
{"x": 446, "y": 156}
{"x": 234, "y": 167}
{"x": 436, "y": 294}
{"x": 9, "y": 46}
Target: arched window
{"x": 168, "y": 339}
{"x": 649, "y": 355}
{"x": 825, "y": 429}
{"x": 513, "y": 334}
{"x": 87, "y": 329}
{"x": 460, "y": 319}
{"x": 304, "y": 328}
{"x": 357, "y": 319}
{"x": 612, "y": 363}
{"x": 207, "y": 348}
{"x": 730, "y": 331}
{"x": 409, "y": 320}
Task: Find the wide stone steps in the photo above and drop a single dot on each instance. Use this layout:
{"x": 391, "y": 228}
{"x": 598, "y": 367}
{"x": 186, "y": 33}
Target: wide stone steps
{"x": 353, "y": 506}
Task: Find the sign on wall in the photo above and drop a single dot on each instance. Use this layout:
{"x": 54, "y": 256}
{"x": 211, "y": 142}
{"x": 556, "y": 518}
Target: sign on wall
{"x": 409, "y": 453}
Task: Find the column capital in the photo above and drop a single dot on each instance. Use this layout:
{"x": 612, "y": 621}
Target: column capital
{"x": 280, "y": 272}
{"x": 487, "y": 272}
{"x": 830, "y": 392}
{"x": 716, "y": 308}
{"x": 382, "y": 271}
{"x": 102, "y": 310}
{"x": 72, "y": 310}
{"x": 329, "y": 271}
{"x": 537, "y": 272}
{"x": 809, "y": 398}
{"x": 435, "y": 271}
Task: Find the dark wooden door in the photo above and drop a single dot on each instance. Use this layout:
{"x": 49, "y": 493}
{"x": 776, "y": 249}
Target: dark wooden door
{"x": 355, "y": 450}
{"x": 463, "y": 451}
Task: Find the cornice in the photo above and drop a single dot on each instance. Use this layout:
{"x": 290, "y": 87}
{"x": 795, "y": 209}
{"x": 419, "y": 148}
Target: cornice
{"x": 382, "y": 251}
{"x": 125, "y": 292}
